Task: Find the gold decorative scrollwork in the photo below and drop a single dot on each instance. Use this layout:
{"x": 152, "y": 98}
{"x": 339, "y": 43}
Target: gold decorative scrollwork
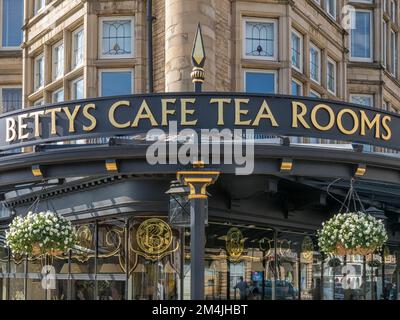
{"x": 234, "y": 244}
{"x": 307, "y": 249}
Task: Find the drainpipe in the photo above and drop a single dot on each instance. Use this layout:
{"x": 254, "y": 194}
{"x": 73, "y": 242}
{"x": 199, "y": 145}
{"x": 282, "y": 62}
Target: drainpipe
{"x": 150, "y": 45}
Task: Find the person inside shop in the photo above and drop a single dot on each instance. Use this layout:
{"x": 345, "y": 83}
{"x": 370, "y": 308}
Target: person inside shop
{"x": 243, "y": 288}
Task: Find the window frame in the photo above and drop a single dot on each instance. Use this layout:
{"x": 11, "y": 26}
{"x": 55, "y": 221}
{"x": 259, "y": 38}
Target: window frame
{"x": 74, "y": 65}
{"x": 329, "y": 60}
{"x": 314, "y": 46}
{"x": 260, "y": 20}
{"x": 36, "y": 86}
{"x": 362, "y": 95}
{"x": 118, "y": 56}
{"x": 36, "y": 9}
{"x": 384, "y": 44}
{"x": 300, "y": 84}
{"x": 38, "y": 102}
{"x": 371, "y": 39}
{"x": 274, "y": 72}
{"x": 334, "y": 16}
{"x": 53, "y": 94}
{"x": 9, "y": 86}
{"x": 73, "y": 95}
{"x": 301, "y": 37}
{"x": 100, "y": 71}
{"x": 10, "y": 48}
{"x": 316, "y": 93}
{"x": 393, "y": 11}
{"x": 53, "y": 56}
{"x": 394, "y": 53}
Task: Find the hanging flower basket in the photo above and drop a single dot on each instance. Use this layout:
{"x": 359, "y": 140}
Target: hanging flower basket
{"x": 42, "y": 233}
{"x": 354, "y": 233}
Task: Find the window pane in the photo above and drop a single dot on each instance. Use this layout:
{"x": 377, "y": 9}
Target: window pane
{"x": 331, "y": 7}
{"x": 58, "y": 56}
{"x": 257, "y": 82}
{"x": 296, "y": 89}
{"x": 58, "y": 96}
{"x": 116, "y": 83}
{"x": 331, "y": 73}
{"x": 360, "y": 35}
{"x": 39, "y": 72}
{"x": 117, "y": 37}
{"x": 363, "y": 100}
{"x": 78, "y": 48}
{"x": 12, "y": 23}
{"x": 260, "y": 39}
{"x": 77, "y": 89}
{"x": 296, "y": 51}
{"x": 314, "y": 64}
{"x": 11, "y": 99}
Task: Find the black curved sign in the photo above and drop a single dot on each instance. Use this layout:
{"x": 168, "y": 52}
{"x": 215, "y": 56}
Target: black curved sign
{"x": 137, "y": 114}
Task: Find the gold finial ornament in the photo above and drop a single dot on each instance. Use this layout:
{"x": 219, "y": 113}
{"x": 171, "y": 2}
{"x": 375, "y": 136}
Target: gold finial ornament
{"x": 198, "y": 60}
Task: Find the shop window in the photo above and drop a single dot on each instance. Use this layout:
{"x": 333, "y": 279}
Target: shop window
{"x": 361, "y": 36}
{"x": 78, "y": 47}
{"x": 11, "y": 99}
{"x": 116, "y": 82}
{"x": 39, "y": 72}
{"x": 331, "y": 76}
{"x": 58, "y": 96}
{"x": 116, "y": 37}
{"x": 260, "y": 81}
{"x": 315, "y": 63}
{"x": 77, "y": 89}
{"x": 297, "y": 51}
{"x": 58, "y": 61}
{"x": 12, "y": 13}
{"x": 260, "y": 39}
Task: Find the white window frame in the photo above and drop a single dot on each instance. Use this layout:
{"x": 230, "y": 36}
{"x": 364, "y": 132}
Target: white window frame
{"x": 334, "y": 15}
{"x": 36, "y": 85}
{"x": 38, "y": 102}
{"x": 274, "y": 72}
{"x": 73, "y": 47}
{"x": 384, "y": 43}
{"x": 73, "y": 94}
{"x": 119, "y": 56}
{"x": 331, "y": 61}
{"x": 362, "y": 95}
{"x": 300, "y": 84}
{"x": 1, "y": 32}
{"x": 36, "y": 8}
{"x": 394, "y": 53}
{"x": 393, "y": 11}
{"x": 312, "y": 45}
{"x": 317, "y": 94}
{"x": 371, "y": 37}
{"x": 56, "y": 76}
{"x": 385, "y": 105}
{"x": 54, "y": 93}
{"x": 260, "y": 20}
{"x": 8, "y": 87}
{"x": 100, "y": 71}
{"x": 298, "y": 34}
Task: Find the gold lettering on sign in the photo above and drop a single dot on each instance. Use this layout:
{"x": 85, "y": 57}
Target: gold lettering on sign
{"x": 331, "y": 114}
{"x": 265, "y": 113}
{"x": 299, "y": 110}
{"x": 356, "y": 122}
{"x": 111, "y": 114}
{"x": 90, "y": 117}
{"x": 36, "y": 120}
{"x": 185, "y": 112}
{"x": 144, "y": 113}
{"x": 11, "y": 133}
{"x": 71, "y": 117}
{"x": 385, "y": 125}
{"x": 53, "y": 115}
{"x": 220, "y": 102}
{"x": 239, "y": 112}
{"x": 365, "y": 122}
{"x": 22, "y": 127}
{"x": 166, "y": 111}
